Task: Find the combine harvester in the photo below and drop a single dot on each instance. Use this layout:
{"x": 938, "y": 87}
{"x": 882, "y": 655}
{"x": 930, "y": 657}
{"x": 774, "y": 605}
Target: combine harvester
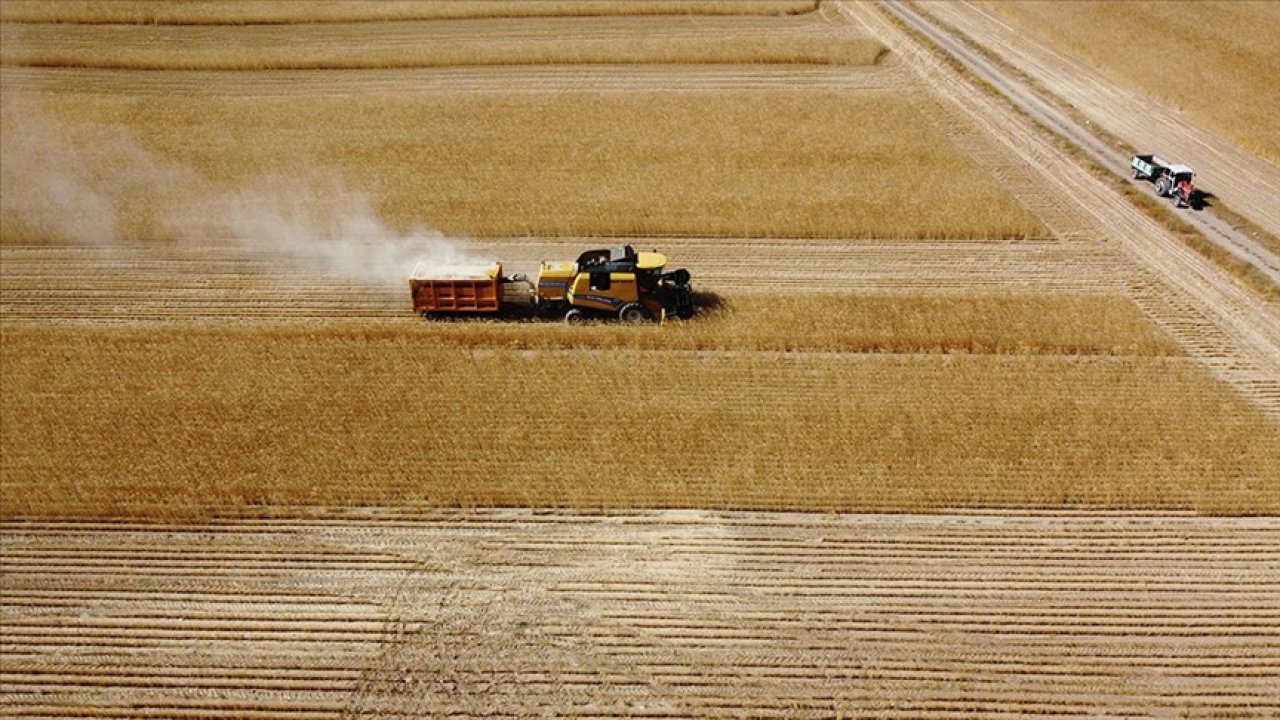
{"x": 613, "y": 283}
{"x": 1171, "y": 180}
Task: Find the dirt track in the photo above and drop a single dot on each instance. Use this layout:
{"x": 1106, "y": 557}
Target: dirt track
{"x": 654, "y": 615}
{"x": 1249, "y": 184}
{"x": 1232, "y": 331}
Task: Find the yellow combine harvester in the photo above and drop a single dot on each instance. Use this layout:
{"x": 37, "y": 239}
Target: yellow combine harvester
{"x": 618, "y": 282}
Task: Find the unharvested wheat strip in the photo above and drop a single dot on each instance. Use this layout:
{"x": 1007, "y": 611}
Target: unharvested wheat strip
{"x": 425, "y": 151}
{"x": 504, "y": 80}
{"x": 266, "y": 12}
{"x": 549, "y": 41}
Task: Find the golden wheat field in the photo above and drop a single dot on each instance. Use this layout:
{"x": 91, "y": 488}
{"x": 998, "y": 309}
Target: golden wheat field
{"x": 803, "y": 39}
{"x": 165, "y": 423}
{"x": 731, "y": 163}
{"x": 955, "y": 432}
{"x": 1216, "y": 62}
{"x": 222, "y": 12}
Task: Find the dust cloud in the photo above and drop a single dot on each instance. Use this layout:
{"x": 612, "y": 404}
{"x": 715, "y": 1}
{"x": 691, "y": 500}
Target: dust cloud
{"x": 331, "y": 228}
{"x": 92, "y": 184}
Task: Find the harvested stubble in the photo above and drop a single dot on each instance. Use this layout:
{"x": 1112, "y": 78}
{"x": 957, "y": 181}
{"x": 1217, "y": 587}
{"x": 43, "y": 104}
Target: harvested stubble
{"x": 159, "y": 423}
{"x": 981, "y": 323}
{"x": 218, "y": 12}
{"x": 578, "y": 40}
{"x": 773, "y": 163}
{"x": 1215, "y": 61}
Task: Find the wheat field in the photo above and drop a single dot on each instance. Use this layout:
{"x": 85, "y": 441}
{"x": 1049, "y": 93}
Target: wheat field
{"x": 1007, "y": 323}
{"x": 804, "y": 39}
{"x": 1214, "y": 61}
{"x": 947, "y": 437}
{"x": 715, "y": 163}
{"x": 239, "y": 12}
{"x": 175, "y": 422}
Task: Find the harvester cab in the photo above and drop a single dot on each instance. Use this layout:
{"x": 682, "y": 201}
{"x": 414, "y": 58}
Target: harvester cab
{"x": 631, "y": 285}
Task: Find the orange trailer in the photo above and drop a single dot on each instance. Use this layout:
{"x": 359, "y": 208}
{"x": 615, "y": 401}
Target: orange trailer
{"x": 476, "y": 294}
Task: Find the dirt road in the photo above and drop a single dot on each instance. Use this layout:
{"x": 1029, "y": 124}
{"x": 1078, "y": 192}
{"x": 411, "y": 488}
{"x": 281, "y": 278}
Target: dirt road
{"x": 1232, "y": 331}
{"x": 1249, "y": 184}
{"x": 661, "y": 614}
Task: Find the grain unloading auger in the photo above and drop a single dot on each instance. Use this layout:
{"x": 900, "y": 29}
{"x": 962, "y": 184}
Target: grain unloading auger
{"x": 611, "y": 283}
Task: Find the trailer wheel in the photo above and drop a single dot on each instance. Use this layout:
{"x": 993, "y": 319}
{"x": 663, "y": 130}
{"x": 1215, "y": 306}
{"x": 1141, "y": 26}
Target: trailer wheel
{"x": 575, "y": 317}
{"x": 633, "y": 313}
{"x": 1163, "y": 186}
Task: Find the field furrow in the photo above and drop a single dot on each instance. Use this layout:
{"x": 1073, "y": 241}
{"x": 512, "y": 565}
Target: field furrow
{"x": 681, "y": 613}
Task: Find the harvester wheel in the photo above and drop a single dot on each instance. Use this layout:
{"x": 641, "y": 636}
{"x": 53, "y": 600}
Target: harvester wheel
{"x": 575, "y": 317}
{"x": 633, "y": 313}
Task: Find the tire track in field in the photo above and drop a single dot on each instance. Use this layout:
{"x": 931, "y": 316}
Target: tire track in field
{"x": 388, "y": 613}
{"x": 1233, "y": 332}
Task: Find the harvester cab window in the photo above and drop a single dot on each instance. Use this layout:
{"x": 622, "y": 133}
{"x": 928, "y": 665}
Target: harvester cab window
{"x": 599, "y": 281}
